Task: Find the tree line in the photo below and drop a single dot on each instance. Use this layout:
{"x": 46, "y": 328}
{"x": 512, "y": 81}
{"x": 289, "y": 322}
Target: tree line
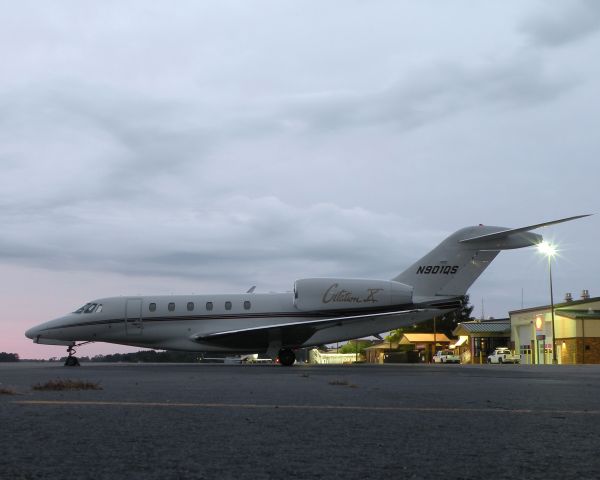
{"x": 150, "y": 356}
{"x": 9, "y": 357}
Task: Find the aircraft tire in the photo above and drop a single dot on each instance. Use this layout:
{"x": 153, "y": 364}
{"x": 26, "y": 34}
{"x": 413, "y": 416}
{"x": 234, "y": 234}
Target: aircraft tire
{"x": 72, "y": 362}
{"x": 286, "y": 357}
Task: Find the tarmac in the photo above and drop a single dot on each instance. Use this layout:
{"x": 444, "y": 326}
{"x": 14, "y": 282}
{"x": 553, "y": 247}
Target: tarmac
{"x": 203, "y": 421}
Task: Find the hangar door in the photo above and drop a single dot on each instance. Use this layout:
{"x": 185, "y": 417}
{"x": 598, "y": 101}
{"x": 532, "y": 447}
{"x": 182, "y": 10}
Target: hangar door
{"x": 133, "y": 316}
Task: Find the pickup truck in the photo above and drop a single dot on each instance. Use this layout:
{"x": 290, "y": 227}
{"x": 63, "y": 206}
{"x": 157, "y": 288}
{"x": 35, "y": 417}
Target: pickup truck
{"x": 445, "y": 356}
{"x": 503, "y": 355}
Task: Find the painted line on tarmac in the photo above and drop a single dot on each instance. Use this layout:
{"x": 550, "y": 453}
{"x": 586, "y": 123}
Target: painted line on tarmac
{"x": 303, "y": 407}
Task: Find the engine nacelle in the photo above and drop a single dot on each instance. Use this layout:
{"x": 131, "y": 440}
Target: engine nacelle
{"x": 349, "y": 293}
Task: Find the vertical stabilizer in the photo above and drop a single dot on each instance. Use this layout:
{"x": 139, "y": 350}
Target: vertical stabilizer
{"x": 449, "y": 269}
{"x": 452, "y": 267}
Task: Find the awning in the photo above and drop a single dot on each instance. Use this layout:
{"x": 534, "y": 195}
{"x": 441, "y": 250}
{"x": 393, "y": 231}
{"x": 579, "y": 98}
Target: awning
{"x": 461, "y": 340}
{"x": 486, "y": 328}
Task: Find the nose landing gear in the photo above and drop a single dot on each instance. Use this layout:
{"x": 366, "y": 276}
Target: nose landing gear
{"x": 72, "y": 360}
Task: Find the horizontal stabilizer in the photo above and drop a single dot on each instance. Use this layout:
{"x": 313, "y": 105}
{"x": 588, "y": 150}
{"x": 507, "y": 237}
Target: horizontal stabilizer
{"x": 506, "y": 233}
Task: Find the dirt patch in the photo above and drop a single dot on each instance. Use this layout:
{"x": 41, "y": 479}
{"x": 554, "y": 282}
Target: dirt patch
{"x": 59, "y": 384}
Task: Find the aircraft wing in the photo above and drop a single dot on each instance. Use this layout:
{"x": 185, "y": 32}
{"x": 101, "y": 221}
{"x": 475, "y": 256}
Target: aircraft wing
{"x": 291, "y": 334}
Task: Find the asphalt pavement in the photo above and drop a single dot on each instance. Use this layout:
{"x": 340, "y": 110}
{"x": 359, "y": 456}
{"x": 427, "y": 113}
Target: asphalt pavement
{"x": 201, "y": 421}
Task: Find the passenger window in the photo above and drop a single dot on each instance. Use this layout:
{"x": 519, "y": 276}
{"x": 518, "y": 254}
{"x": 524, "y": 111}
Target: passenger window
{"x": 209, "y": 305}
{"x": 227, "y": 305}
{"x": 190, "y": 306}
{"x": 171, "y": 307}
{"x": 152, "y": 307}
{"x": 99, "y": 309}
{"x": 247, "y": 305}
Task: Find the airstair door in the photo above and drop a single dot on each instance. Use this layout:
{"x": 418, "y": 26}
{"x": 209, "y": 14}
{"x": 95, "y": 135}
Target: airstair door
{"x": 133, "y": 316}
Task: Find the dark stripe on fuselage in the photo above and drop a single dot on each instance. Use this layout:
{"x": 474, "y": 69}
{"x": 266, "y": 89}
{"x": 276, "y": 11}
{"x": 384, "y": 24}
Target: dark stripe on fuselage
{"x": 314, "y": 315}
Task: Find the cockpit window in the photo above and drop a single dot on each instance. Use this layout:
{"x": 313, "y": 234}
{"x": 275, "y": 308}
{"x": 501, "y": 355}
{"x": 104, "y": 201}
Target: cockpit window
{"x": 82, "y": 309}
{"x": 90, "y": 308}
{"x": 99, "y": 309}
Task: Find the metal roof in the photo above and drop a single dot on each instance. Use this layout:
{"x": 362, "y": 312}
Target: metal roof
{"x": 556, "y": 305}
{"x": 501, "y": 327}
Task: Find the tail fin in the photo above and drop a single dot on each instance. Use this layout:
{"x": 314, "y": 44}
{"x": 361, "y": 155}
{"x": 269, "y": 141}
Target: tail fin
{"x": 452, "y": 267}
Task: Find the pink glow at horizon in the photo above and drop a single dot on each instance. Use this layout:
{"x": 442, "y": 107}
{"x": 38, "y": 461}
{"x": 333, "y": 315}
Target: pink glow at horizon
{"x": 33, "y": 296}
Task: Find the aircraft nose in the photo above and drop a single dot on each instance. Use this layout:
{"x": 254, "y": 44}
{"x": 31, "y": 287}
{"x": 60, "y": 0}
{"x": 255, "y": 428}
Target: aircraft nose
{"x": 50, "y": 333}
{"x": 36, "y": 331}
{"x": 32, "y": 332}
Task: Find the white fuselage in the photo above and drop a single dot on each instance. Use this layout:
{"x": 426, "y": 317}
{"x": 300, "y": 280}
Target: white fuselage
{"x": 173, "y": 322}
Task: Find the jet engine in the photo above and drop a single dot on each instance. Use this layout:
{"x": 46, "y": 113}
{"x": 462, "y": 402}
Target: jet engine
{"x": 349, "y": 293}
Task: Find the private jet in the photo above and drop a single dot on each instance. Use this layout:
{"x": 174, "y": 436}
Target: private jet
{"x": 317, "y": 312}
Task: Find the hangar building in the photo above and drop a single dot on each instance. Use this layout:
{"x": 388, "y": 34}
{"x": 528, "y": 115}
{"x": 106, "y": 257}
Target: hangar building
{"x": 577, "y": 331}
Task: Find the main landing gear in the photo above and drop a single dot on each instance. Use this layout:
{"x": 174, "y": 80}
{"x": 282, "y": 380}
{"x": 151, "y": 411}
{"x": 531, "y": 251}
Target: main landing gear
{"x": 287, "y": 357}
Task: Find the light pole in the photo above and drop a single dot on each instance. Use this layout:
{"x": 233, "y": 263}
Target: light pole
{"x": 549, "y": 250}
{"x": 434, "y": 339}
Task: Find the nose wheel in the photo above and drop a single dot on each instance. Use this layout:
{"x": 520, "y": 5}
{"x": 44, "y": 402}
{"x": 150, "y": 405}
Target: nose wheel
{"x": 72, "y": 360}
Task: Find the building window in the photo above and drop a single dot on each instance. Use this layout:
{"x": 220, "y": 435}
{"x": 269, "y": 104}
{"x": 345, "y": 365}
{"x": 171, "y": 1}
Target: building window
{"x": 227, "y": 305}
{"x": 171, "y": 307}
{"x": 190, "y": 306}
{"x": 247, "y": 305}
{"x": 209, "y": 305}
{"x": 152, "y": 307}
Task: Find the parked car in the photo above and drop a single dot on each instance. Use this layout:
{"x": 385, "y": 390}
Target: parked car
{"x": 445, "y": 356}
{"x": 503, "y": 355}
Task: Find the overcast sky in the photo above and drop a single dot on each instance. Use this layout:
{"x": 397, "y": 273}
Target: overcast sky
{"x": 200, "y": 147}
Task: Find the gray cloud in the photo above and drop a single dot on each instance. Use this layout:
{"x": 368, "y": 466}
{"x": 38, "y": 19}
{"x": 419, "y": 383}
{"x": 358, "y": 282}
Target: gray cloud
{"x": 432, "y": 94}
{"x": 561, "y": 23}
{"x": 171, "y": 147}
{"x": 239, "y": 239}
{"x": 99, "y": 144}
{"x": 93, "y": 143}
